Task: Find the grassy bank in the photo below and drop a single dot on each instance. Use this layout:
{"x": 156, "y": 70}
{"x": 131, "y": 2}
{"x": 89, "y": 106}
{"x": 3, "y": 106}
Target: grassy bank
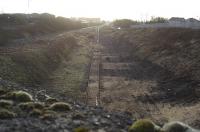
{"x": 175, "y": 50}
{"x": 33, "y": 67}
{"x": 68, "y": 80}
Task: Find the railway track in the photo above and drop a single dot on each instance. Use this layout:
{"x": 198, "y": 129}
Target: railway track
{"x": 113, "y": 66}
{"x": 94, "y": 81}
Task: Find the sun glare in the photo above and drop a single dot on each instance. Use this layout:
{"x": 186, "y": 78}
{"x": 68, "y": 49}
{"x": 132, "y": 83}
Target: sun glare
{"x": 106, "y": 9}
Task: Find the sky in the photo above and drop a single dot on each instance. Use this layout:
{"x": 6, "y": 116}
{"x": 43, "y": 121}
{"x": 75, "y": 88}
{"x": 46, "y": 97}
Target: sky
{"x": 106, "y": 9}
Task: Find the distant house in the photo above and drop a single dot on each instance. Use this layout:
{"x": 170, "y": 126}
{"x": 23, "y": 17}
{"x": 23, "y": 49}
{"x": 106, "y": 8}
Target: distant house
{"x": 88, "y": 20}
{"x": 176, "y": 20}
{"x": 192, "y": 20}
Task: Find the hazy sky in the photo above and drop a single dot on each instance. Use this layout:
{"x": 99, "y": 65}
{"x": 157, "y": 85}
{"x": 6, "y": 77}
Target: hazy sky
{"x": 106, "y": 9}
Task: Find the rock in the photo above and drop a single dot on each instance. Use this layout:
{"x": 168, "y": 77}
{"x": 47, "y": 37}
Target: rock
{"x": 176, "y": 126}
{"x": 95, "y": 121}
{"x": 101, "y": 130}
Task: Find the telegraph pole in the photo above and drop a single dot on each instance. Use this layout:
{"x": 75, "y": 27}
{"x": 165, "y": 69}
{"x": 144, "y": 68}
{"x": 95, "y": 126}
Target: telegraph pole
{"x": 98, "y": 34}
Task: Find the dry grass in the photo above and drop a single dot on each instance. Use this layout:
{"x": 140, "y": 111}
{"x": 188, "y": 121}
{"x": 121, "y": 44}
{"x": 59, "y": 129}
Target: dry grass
{"x": 33, "y": 64}
{"x": 165, "y": 82}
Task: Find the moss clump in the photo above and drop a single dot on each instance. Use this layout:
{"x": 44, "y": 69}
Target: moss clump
{"x": 35, "y": 113}
{"x": 6, "y": 114}
{"x": 5, "y": 103}
{"x": 50, "y": 101}
{"x": 31, "y": 105}
{"x": 81, "y": 129}
{"x": 77, "y": 116}
{"x": 142, "y": 126}
{"x": 48, "y": 115}
{"x": 22, "y": 96}
{"x": 19, "y": 96}
{"x": 60, "y": 107}
{"x": 3, "y": 91}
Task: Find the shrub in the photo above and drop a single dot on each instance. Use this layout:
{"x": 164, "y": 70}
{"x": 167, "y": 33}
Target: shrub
{"x": 31, "y": 105}
{"x": 5, "y": 114}
{"x": 157, "y": 20}
{"x": 124, "y": 23}
{"x": 60, "y": 106}
{"x": 142, "y": 126}
{"x": 81, "y": 129}
{"x": 5, "y": 103}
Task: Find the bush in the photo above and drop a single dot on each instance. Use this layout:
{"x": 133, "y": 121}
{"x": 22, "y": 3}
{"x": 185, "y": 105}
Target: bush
{"x": 60, "y": 106}
{"x": 5, "y": 114}
{"x": 124, "y": 23}
{"x": 142, "y": 126}
{"x": 157, "y": 20}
